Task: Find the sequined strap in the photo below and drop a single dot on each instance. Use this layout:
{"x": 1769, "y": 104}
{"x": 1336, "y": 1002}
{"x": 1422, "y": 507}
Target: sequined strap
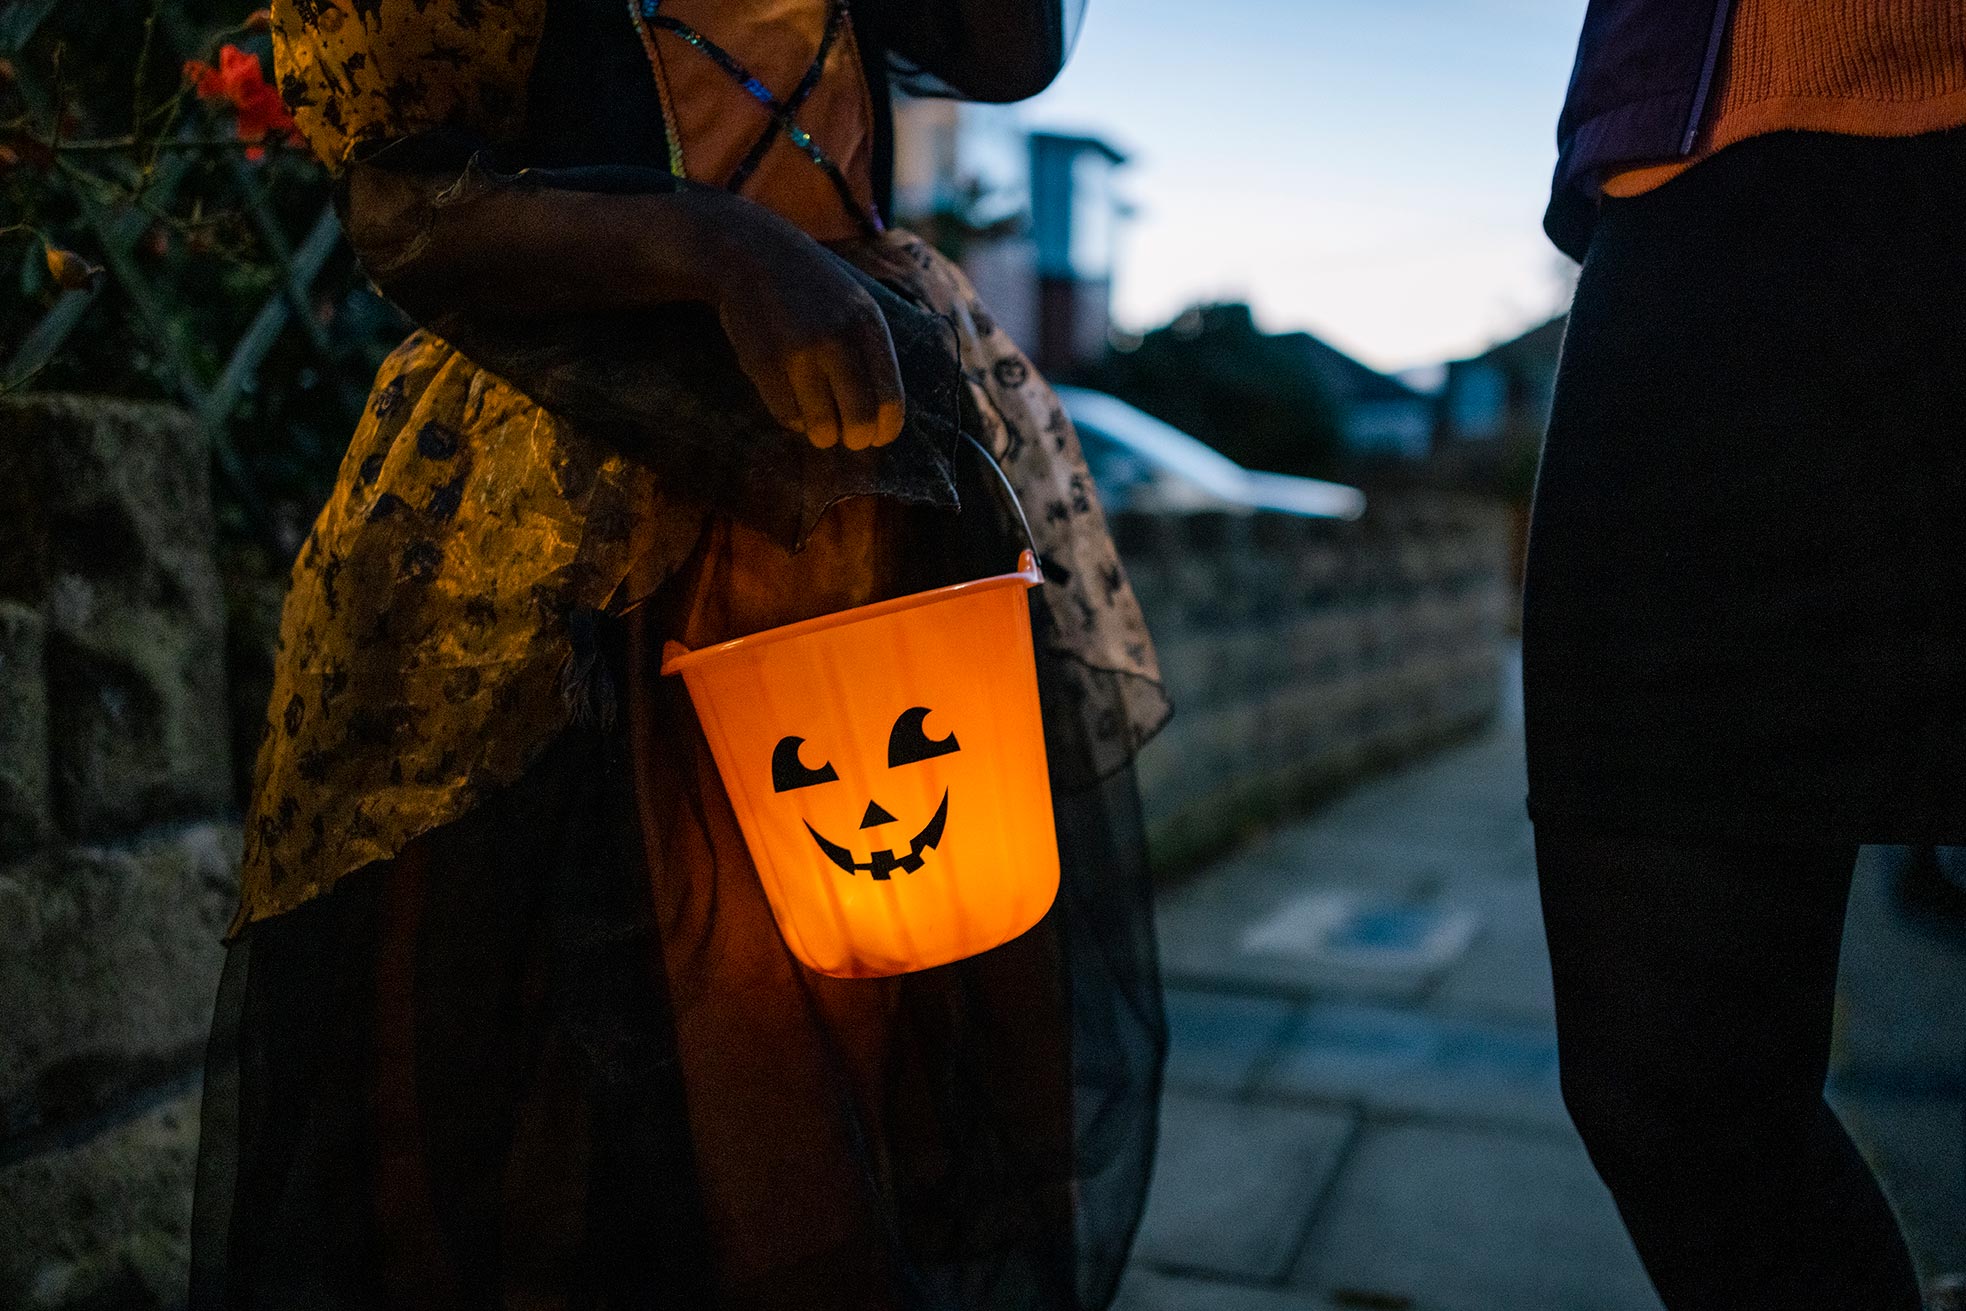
{"x": 649, "y": 18}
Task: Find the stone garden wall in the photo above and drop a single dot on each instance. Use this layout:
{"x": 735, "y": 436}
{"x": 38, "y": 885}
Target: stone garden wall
{"x": 1299, "y": 653}
{"x": 116, "y": 844}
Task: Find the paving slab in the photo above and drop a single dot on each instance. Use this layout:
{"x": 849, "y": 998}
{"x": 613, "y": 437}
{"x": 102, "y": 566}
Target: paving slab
{"x": 1252, "y": 882}
{"x": 1901, "y": 993}
{"x": 1147, "y": 1291}
{"x": 1324, "y": 938}
{"x": 1915, "y": 1146}
{"x": 1505, "y": 973}
{"x": 1468, "y": 798}
{"x": 1359, "y": 856}
{"x": 1234, "y": 1184}
{"x": 1433, "y": 847}
{"x": 1471, "y": 1220}
{"x": 1217, "y": 1040}
{"x": 1345, "y": 929}
{"x": 1398, "y": 1061}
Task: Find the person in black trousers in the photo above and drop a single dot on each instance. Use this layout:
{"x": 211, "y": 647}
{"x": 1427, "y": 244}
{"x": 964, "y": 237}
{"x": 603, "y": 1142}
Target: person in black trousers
{"x": 1744, "y": 642}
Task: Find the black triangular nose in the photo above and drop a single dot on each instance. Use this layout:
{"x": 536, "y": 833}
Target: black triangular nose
{"x": 875, "y": 815}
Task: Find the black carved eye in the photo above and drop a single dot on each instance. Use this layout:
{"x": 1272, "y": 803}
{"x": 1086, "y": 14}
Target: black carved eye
{"x": 908, "y": 743}
{"x": 788, "y": 771}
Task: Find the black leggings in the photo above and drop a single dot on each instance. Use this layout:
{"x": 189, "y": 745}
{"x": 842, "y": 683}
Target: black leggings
{"x": 1694, "y": 987}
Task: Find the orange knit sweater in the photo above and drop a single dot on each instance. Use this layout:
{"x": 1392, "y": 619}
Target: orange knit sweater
{"x": 1874, "y": 68}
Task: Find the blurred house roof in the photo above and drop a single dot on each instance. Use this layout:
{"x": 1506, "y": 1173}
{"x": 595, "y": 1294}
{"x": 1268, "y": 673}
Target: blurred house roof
{"x": 1507, "y": 385}
{"x": 1535, "y": 349}
{"x": 1345, "y": 379}
{"x": 1380, "y": 414}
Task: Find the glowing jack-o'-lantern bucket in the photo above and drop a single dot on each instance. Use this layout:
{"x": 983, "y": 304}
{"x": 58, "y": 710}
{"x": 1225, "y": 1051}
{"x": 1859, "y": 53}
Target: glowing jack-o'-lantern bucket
{"x": 887, "y": 766}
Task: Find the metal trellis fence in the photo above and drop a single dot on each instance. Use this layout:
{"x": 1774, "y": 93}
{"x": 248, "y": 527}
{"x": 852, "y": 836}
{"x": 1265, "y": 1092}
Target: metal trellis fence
{"x": 215, "y": 279}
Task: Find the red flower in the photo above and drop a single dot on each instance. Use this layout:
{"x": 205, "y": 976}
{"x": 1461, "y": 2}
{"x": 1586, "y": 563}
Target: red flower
{"x": 239, "y": 81}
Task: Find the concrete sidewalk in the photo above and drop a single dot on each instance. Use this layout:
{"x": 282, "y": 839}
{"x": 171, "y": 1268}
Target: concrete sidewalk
{"x": 1362, "y": 1106}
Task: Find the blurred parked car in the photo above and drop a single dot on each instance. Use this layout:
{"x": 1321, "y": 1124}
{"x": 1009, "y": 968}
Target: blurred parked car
{"x": 1141, "y": 463}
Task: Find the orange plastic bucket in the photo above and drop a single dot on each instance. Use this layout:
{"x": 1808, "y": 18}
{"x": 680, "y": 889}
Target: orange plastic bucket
{"x": 887, "y": 766}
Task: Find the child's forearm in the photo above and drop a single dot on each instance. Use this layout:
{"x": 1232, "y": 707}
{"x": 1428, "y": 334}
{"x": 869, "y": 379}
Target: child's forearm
{"x": 806, "y": 334}
{"x": 535, "y": 250}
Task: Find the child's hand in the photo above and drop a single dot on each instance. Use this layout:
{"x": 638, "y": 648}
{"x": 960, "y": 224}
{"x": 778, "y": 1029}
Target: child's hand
{"x": 808, "y": 336}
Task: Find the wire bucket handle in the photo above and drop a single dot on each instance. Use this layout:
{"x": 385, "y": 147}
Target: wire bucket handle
{"x": 1030, "y": 538}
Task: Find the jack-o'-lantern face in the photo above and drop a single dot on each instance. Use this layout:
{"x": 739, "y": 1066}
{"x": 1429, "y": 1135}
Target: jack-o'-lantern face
{"x": 910, "y": 747}
{"x": 886, "y": 766}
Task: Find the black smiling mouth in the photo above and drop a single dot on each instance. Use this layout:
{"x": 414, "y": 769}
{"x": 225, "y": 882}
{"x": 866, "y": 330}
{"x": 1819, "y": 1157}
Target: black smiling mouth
{"x": 882, "y": 864}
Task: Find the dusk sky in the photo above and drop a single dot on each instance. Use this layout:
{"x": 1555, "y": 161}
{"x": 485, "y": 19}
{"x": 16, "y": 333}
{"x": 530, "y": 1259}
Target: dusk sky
{"x": 1372, "y": 170}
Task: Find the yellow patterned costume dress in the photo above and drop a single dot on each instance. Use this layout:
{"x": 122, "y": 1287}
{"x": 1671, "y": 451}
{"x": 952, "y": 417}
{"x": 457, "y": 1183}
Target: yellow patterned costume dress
{"x": 506, "y": 1020}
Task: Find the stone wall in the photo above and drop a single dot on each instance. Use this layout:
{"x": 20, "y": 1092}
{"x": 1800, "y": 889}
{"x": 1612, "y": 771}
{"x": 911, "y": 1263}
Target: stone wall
{"x": 116, "y": 853}
{"x": 1302, "y": 653}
